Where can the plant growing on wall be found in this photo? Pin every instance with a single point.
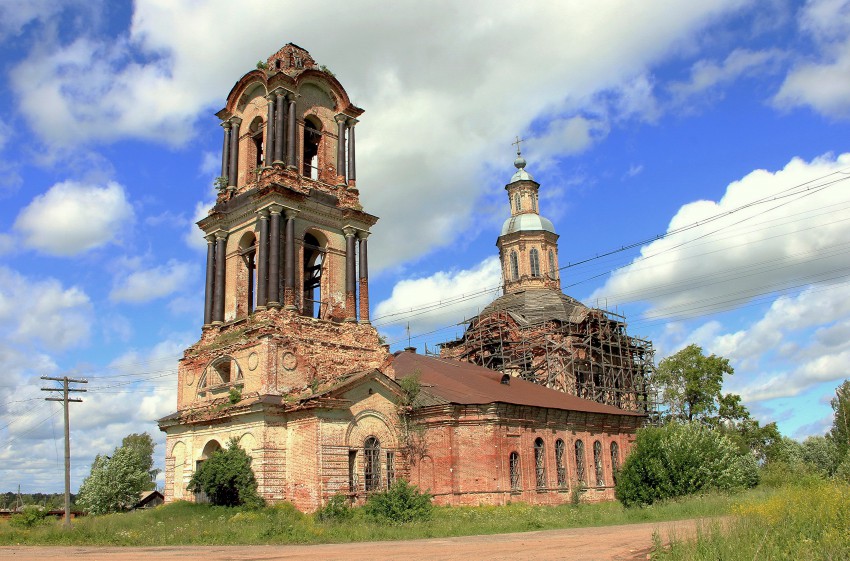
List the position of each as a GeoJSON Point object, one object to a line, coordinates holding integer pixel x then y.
{"type": "Point", "coordinates": [412, 434]}
{"type": "Point", "coordinates": [220, 182]}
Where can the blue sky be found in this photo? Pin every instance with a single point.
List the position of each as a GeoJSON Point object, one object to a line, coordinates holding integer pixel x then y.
{"type": "Point", "coordinates": [639, 119]}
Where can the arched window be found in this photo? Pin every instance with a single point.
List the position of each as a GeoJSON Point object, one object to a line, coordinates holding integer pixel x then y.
{"type": "Point", "coordinates": [312, 139]}
{"type": "Point", "coordinates": [534, 257]}
{"type": "Point", "coordinates": [314, 255]}
{"type": "Point", "coordinates": [513, 463]}
{"type": "Point", "coordinates": [540, 463]}
{"type": "Point", "coordinates": [517, 202]}
{"type": "Point", "coordinates": [257, 145]}
{"type": "Point", "coordinates": [615, 460]}
{"type": "Point", "coordinates": [580, 466]}
{"type": "Point", "coordinates": [597, 462]}
{"type": "Point", "coordinates": [514, 266]}
{"type": "Point", "coordinates": [372, 464]}
{"type": "Point", "coordinates": [534, 203]}
{"type": "Point", "coordinates": [552, 264]}
{"type": "Point", "coordinates": [223, 370]}
{"type": "Point", "coordinates": [248, 251]}
{"type": "Point", "coordinates": [559, 463]}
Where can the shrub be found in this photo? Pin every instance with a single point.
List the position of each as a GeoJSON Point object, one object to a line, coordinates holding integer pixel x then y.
{"type": "Point", "coordinates": [31, 515]}
{"type": "Point", "coordinates": [402, 502]}
{"type": "Point", "coordinates": [227, 478]}
{"type": "Point", "coordinates": [680, 459]}
{"type": "Point", "coordinates": [337, 508]}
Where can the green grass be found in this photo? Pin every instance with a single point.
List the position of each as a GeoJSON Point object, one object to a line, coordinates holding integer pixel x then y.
{"type": "Point", "coordinates": [801, 522]}
{"type": "Point", "coordinates": [190, 524]}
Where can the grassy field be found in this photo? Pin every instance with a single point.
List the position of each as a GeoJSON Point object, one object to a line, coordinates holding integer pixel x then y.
{"type": "Point", "coordinates": [801, 522]}
{"type": "Point", "coordinates": [191, 524]}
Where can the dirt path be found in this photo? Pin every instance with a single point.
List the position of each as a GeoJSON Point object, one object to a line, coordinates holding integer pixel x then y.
{"type": "Point", "coordinates": [630, 542]}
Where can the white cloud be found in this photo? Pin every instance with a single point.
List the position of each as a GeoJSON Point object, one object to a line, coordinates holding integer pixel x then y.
{"type": "Point", "coordinates": [708, 74]}
{"type": "Point", "coordinates": [149, 284]}
{"type": "Point", "coordinates": [155, 81]}
{"type": "Point", "coordinates": [15, 14]}
{"type": "Point", "coordinates": [72, 217]}
{"type": "Point", "coordinates": [824, 83]}
{"type": "Point", "coordinates": [724, 263]}
{"type": "Point", "coordinates": [428, 302]}
{"type": "Point", "coordinates": [43, 311]}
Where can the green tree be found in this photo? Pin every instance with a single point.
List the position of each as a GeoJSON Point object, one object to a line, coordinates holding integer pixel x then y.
{"type": "Point", "coordinates": [821, 453]}
{"type": "Point", "coordinates": [116, 482]}
{"type": "Point", "coordinates": [840, 431]}
{"type": "Point", "coordinates": [690, 383]}
{"type": "Point", "coordinates": [679, 459]}
{"type": "Point", "coordinates": [142, 444]}
{"type": "Point", "coordinates": [227, 478]}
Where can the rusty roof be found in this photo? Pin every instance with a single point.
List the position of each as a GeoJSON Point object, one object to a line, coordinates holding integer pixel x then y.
{"type": "Point", "coordinates": [463, 383]}
{"type": "Point", "coordinates": [538, 305]}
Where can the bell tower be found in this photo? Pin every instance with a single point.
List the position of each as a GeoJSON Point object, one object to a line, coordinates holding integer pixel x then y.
{"type": "Point", "coordinates": [528, 244]}
{"type": "Point", "coordinates": [286, 305]}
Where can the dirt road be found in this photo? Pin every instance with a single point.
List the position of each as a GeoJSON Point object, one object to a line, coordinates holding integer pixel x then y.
{"type": "Point", "coordinates": [630, 542]}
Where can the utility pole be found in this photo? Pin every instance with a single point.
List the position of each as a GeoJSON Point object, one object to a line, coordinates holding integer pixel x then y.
{"type": "Point", "coordinates": [65, 389]}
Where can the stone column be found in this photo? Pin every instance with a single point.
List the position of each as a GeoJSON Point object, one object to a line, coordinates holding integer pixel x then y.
{"type": "Point", "coordinates": [218, 291]}
{"type": "Point", "coordinates": [268, 155]}
{"type": "Point", "coordinates": [233, 170]}
{"type": "Point", "coordinates": [208, 290]}
{"type": "Point", "coordinates": [289, 261]}
{"type": "Point", "coordinates": [278, 130]}
{"type": "Point", "coordinates": [225, 151]}
{"type": "Point", "coordinates": [364, 277]}
{"type": "Point", "coordinates": [340, 148]}
{"type": "Point", "coordinates": [350, 273]}
{"type": "Point", "coordinates": [274, 257]}
{"type": "Point", "coordinates": [352, 174]}
{"type": "Point", "coordinates": [263, 261]}
{"type": "Point", "coordinates": [290, 132]}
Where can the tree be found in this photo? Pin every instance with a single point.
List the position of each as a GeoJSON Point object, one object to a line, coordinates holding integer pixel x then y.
{"type": "Point", "coordinates": [116, 482]}
{"type": "Point", "coordinates": [691, 382]}
{"type": "Point", "coordinates": [840, 431]}
{"type": "Point", "coordinates": [679, 459]}
{"type": "Point", "coordinates": [821, 453]}
{"type": "Point", "coordinates": [227, 478]}
{"type": "Point", "coordinates": [143, 445]}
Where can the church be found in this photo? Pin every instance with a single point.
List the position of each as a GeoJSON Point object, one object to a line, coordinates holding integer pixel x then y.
{"type": "Point", "coordinates": [289, 364]}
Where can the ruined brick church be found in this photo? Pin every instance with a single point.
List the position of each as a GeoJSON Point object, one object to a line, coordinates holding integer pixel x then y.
{"type": "Point", "coordinates": [290, 366]}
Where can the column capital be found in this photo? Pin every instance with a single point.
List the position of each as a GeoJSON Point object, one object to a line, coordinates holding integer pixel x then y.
{"type": "Point", "coordinates": [236, 120]}
{"type": "Point", "coordinates": [290, 212]}
{"type": "Point", "coordinates": [363, 234]}
{"type": "Point", "coordinates": [210, 238]}
{"type": "Point", "coordinates": [270, 97]}
{"type": "Point", "coordinates": [263, 214]}
{"type": "Point", "coordinates": [349, 231]}
{"type": "Point", "coordinates": [221, 234]}
{"type": "Point", "coordinates": [352, 121]}
{"type": "Point", "coordinates": [341, 118]}
{"type": "Point", "coordinates": [275, 209]}
{"type": "Point", "coordinates": [226, 124]}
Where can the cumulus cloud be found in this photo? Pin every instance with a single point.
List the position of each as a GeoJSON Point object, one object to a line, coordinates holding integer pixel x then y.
{"type": "Point", "coordinates": [431, 301]}
{"type": "Point", "coordinates": [707, 75]}
{"type": "Point", "coordinates": [823, 83]}
{"type": "Point", "coordinates": [149, 284]}
{"type": "Point", "coordinates": [43, 311]}
{"type": "Point", "coordinates": [71, 218]}
{"type": "Point", "coordinates": [154, 82]}
{"type": "Point", "coordinates": [736, 250]}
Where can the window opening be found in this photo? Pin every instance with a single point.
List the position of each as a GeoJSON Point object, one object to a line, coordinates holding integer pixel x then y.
{"type": "Point", "coordinates": [372, 463]}
{"type": "Point", "coordinates": [580, 462]}
{"type": "Point", "coordinates": [559, 463]}
{"type": "Point", "coordinates": [352, 471]}
{"type": "Point", "coordinates": [552, 264]}
{"type": "Point", "coordinates": [312, 138]}
{"type": "Point", "coordinates": [615, 460]}
{"type": "Point", "coordinates": [257, 140]}
{"type": "Point", "coordinates": [514, 266]}
{"type": "Point", "coordinates": [534, 257]}
{"type": "Point", "coordinates": [390, 468]}
{"type": "Point", "coordinates": [314, 256]}
{"type": "Point", "coordinates": [534, 203]}
{"type": "Point", "coordinates": [248, 251]}
{"type": "Point", "coordinates": [540, 463]}
{"type": "Point", "coordinates": [597, 461]}
{"type": "Point", "coordinates": [513, 463]}
{"type": "Point", "coordinates": [517, 202]}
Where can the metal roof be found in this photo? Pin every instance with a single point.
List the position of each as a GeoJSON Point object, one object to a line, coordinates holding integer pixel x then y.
{"type": "Point", "coordinates": [451, 381]}
{"type": "Point", "coordinates": [529, 222]}
{"type": "Point", "coordinates": [535, 305]}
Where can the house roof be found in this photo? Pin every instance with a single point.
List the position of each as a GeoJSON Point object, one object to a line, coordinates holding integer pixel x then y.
{"type": "Point", "coordinates": [451, 381]}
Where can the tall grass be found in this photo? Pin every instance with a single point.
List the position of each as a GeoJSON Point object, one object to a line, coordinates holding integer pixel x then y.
{"type": "Point", "coordinates": [191, 524]}
{"type": "Point", "coordinates": [799, 522]}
